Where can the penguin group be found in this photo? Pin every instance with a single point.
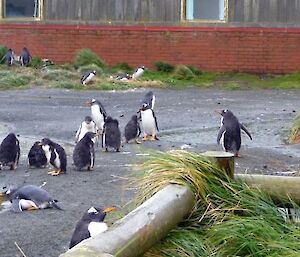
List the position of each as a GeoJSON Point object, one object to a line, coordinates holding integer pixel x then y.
{"type": "Point", "coordinates": [93, 127]}
{"type": "Point", "coordinates": [24, 58]}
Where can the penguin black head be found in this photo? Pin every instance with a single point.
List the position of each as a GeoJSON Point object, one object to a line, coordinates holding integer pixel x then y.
{"type": "Point", "coordinates": [92, 102]}
{"type": "Point", "coordinates": [134, 118]}
{"type": "Point", "coordinates": [97, 214]}
{"type": "Point", "coordinates": [88, 119]}
{"type": "Point", "coordinates": [225, 113]}
{"type": "Point", "coordinates": [11, 137]}
{"type": "Point", "coordinates": [90, 135]}
{"type": "Point", "coordinates": [144, 107]}
{"type": "Point", "coordinates": [94, 72]}
{"type": "Point", "coordinates": [46, 141]}
{"type": "Point", "coordinates": [111, 120]}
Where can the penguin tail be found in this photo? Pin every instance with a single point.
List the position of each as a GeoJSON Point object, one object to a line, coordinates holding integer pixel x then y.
{"type": "Point", "coordinates": [54, 205]}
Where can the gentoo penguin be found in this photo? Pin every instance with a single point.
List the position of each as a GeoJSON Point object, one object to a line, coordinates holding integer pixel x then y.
{"type": "Point", "coordinates": [84, 153]}
{"type": "Point", "coordinates": [87, 77]}
{"type": "Point", "coordinates": [123, 77]}
{"type": "Point", "coordinates": [9, 57]}
{"type": "Point", "coordinates": [138, 72]}
{"type": "Point", "coordinates": [230, 132]}
{"type": "Point", "coordinates": [29, 197]}
{"type": "Point", "coordinates": [91, 224]}
{"type": "Point", "coordinates": [98, 114]}
{"type": "Point", "coordinates": [111, 136]}
{"type": "Point", "coordinates": [36, 156]}
{"type": "Point", "coordinates": [56, 156]}
{"type": "Point", "coordinates": [10, 152]}
{"type": "Point", "coordinates": [149, 99]}
{"type": "Point", "coordinates": [132, 130]}
{"type": "Point", "coordinates": [88, 125]}
{"type": "Point", "coordinates": [25, 57]}
{"type": "Point", "coordinates": [149, 122]}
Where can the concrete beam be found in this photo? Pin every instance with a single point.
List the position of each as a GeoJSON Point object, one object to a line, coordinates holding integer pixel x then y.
{"type": "Point", "coordinates": [134, 234]}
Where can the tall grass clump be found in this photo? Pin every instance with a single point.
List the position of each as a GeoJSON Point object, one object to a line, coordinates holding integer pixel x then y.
{"type": "Point", "coordinates": [164, 67]}
{"type": "Point", "coordinates": [183, 72]}
{"type": "Point", "coordinates": [3, 50]}
{"type": "Point", "coordinates": [228, 219]}
{"type": "Point", "coordinates": [294, 137]}
{"type": "Point", "coordinates": [36, 62]}
{"type": "Point", "coordinates": [91, 67]}
{"type": "Point", "coordinates": [86, 57]}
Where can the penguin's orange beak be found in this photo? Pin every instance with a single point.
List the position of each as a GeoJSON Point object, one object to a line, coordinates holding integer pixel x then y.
{"type": "Point", "coordinates": [109, 209]}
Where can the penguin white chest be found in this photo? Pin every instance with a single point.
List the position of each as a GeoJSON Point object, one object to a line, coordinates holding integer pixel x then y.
{"type": "Point", "coordinates": [148, 122]}
{"type": "Point", "coordinates": [26, 204]}
{"type": "Point", "coordinates": [86, 128]}
{"type": "Point", "coordinates": [138, 73]}
{"type": "Point", "coordinates": [46, 149]}
{"type": "Point", "coordinates": [56, 160]}
{"type": "Point", "coordinates": [97, 116]}
{"type": "Point", "coordinates": [89, 78]}
{"type": "Point", "coordinates": [96, 228]}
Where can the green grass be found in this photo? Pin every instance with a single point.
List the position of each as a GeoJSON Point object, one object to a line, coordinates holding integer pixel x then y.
{"type": "Point", "coordinates": [66, 76]}
{"type": "Point", "coordinates": [228, 219]}
{"type": "Point", "coordinates": [294, 137]}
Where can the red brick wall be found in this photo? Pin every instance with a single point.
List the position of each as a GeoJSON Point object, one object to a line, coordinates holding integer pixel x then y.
{"type": "Point", "coordinates": [257, 50]}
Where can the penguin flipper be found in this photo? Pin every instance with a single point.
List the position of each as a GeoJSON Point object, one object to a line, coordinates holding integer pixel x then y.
{"type": "Point", "coordinates": [246, 131]}
{"type": "Point", "coordinates": [155, 119]}
{"type": "Point", "coordinates": [220, 133]}
{"type": "Point", "coordinates": [15, 206]}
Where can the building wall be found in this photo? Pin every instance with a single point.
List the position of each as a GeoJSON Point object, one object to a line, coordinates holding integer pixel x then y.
{"type": "Point", "coordinates": [255, 50]}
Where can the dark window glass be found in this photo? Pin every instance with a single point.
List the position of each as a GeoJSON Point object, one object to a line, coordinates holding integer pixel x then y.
{"type": "Point", "coordinates": [21, 8]}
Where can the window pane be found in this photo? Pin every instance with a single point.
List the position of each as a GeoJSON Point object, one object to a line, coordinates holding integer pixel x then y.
{"type": "Point", "coordinates": [205, 9]}
{"type": "Point", "coordinates": [21, 8]}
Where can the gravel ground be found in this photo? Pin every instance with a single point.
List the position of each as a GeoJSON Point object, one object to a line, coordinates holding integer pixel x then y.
{"type": "Point", "coordinates": [186, 120]}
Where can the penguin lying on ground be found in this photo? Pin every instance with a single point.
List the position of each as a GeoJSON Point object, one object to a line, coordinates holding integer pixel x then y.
{"type": "Point", "coordinates": [10, 152]}
{"type": "Point", "coordinates": [149, 123]}
{"type": "Point", "coordinates": [111, 136]}
{"type": "Point", "coordinates": [88, 125]}
{"type": "Point", "coordinates": [123, 77]}
{"type": "Point", "coordinates": [91, 224]}
{"type": "Point", "coordinates": [138, 72]}
{"type": "Point", "coordinates": [98, 114]}
{"type": "Point", "coordinates": [25, 57]}
{"type": "Point", "coordinates": [132, 130]}
{"type": "Point", "coordinates": [87, 77]}
{"type": "Point", "coordinates": [84, 153]}
{"type": "Point", "coordinates": [55, 155]}
{"type": "Point", "coordinates": [29, 197]}
{"type": "Point", "coordinates": [36, 156]}
{"type": "Point", "coordinates": [230, 132]}
{"type": "Point", "coordinates": [149, 99]}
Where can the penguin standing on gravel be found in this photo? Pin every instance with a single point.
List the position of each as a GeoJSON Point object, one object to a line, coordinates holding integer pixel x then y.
{"type": "Point", "coordinates": [138, 72]}
{"type": "Point", "coordinates": [98, 114]}
{"type": "Point", "coordinates": [149, 122]}
{"type": "Point", "coordinates": [91, 224]}
{"type": "Point", "coordinates": [55, 155]}
{"type": "Point", "coordinates": [25, 57]}
{"type": "Point", "coordinates": [36, 156]}
{"type": "Point", "coordinates": [10, 152]}
{"type": "Point", "coordinates": [149, 99]}
{"type": "Point", "coordinates": [111, 137]}
{"type": "Point", "coordinates": [230, 132]}
{"type": "Point", "coordinates": [87, 77]}
{"type": "Point", "coordinates": [88, 125]}
{"type": "Point", "coordinates": [29, 197]}
{"type": "Point", "coordinates": [132, 130]}
{"type": "Point", "coordinates": [84, 153]}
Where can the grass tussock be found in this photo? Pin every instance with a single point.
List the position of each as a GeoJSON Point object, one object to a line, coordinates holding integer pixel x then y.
{"type": "Point", "coordinates": [86, 57]}
{"type": "Point", "coordinates": [228, 219]}
{"type": "Point", "coordinates": [91, 67]}
{"type": "Point", "coordinates": [294, 137]}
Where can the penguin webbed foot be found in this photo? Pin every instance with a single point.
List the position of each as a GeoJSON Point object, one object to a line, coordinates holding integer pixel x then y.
{"type": "Point", "coordinates": [54, 172]}
{"type": "Point", "coordinates": [145, 138]}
